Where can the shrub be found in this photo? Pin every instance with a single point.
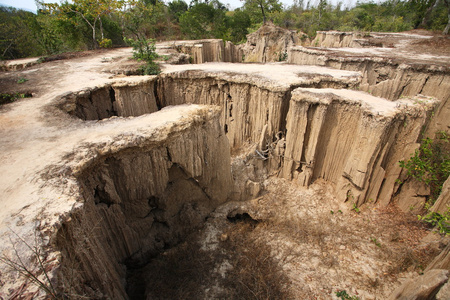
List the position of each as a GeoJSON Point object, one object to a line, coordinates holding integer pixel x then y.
{"type": "Point", "coordinates": [144, 49]}
{"type": "Point", "coordinates": [9, 98]}
{"type": "Point", "coordinates": [431, 163]}
{"type": "Point", "coordinates": [442, 222]}
{"type": "Point", "coordinates": [150, 69]}
{"type": "Point", "coordinates": [105, 43]}
{"type": "Point", "coordinates": [343, 295]}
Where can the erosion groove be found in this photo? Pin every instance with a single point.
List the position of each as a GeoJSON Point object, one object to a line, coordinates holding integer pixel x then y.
{"type": "Point", "coordinates": [140, 201]}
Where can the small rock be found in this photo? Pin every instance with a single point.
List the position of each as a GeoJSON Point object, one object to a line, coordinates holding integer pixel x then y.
{"type": "Point", "coordinates": [422, 287]}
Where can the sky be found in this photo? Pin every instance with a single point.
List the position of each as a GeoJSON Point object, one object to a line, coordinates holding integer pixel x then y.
{"type": "Point", "coordinates": [31, 5]}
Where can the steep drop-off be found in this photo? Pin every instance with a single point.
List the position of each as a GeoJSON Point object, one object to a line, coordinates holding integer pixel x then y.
{"type": "Point", "coordinates": [119, 181]}
{"type": "Point", "coordinates": [141, 196]}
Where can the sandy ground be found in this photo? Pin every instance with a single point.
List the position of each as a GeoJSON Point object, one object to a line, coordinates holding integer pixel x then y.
{"type": "Point", "coordinates": [411, 47]}
{"type": "Point", "coordinates": [303, 240]}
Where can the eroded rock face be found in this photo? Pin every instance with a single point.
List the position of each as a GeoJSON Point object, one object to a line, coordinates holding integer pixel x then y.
{"type": "Point", "coordinates": [443, 202]}
{"type": "Point", "coordinates": [389, 73]}
{"type": "Point", "coordinates": [250, 98]}
{"type": "Point", "coordinates": [351, 139]}
{"type": "Point", "coordinates": [423, 287]}
{"type": "Point", "coordinates": [123, 99]}
{"type": "Point", "coordinates": [383, 77]}
{"type": "Point", "coordinates": [337, 39]}
{"type": "Point", "coordinates": [269, 43]}
{"type": "Point", "coordinates": [140, 198]}
{"type": "Point", "coordinates": [202, 51]}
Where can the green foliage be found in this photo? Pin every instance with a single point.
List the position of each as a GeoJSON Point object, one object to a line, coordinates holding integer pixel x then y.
{"type": "Point", "coordinates": [442, 222]}
{"type": "Point", "coordinates": [344, 296]}
{"type": "Point", "coordinates": [177, 8]}
{"type": "Point", "coordinates": [376, 242]}
{"type": "Point", "coordinates": [355, 208]}
{"type": "Point", "coordinates": [145, 50]}
{"type": "Point", "coordinates": [204, 20]}
{"type": "Point", "coordinates": [17, 38]}
{"type": "Point", "coordinates": [150, 69]}
{"type": "Point", "coordinates": [282, 56]}
{"type": "Point", "coordinates": [105, 43]}
{"type": "Point", "coordinates": [238, 23]}
{"type": "Point", "coordinates": [86, 24]}
{"type": "Point", "coordinates": [9, 98]}
{"type": "Point", "coordinates": [22, 80]}
{"type": "Point", "coordinates": [88, 12]}
{"type": "Point", "coordinates": [261, 10]}
{"type": "Point", "coordinates": [430, 163]}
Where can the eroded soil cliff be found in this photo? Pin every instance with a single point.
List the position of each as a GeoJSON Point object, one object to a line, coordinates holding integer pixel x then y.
{"type": "Point", "coordinates": [269, 179]}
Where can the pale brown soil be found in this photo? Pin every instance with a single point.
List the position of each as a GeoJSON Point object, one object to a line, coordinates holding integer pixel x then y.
{"type": "Point", "coordinates": [296, 243]}
{"type": "Point", "coordinates": [438, 45]}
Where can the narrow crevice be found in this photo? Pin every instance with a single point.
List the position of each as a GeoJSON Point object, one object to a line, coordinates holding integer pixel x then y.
{"type": "Point", "coordinates": [169, 157]}
{"type": "Point", "coordinates": [112, 98]}
{"type": "Point", "coordinates": [157, 95]}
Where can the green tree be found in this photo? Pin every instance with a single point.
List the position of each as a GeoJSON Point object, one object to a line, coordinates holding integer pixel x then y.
{"type": "Point", "coordinates": [18, 34]}
{"type": "Point", "coordinates": [177, 8]}
{"type": "Point", "coordinates": [204, 20]}
{"type": "Point", "coordinates": [239, 22]}
{"type": "Point", "coordinates": [90, 11]}
{"type": "Point", "coordinates": [259, 10]}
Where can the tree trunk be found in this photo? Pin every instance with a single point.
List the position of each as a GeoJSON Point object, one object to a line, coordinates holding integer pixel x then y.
{"type": "Point", "coordinates": [427, 13]}
{"type": "Point", "coordinates": [447, 28]}
{"type": "Point", "coordinates": [101, 27]}
{"type": "Point", "coordinates": [261, 4]}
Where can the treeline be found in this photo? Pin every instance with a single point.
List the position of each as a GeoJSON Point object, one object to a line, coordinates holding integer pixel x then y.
{"type": "Point", "coordinates": [89, 24]}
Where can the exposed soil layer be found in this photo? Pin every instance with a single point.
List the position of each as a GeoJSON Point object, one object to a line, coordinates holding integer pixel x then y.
{"type": "Point", "coordinates": [316, 247]}
{"type": "Point", "coordinates": [438, 45]}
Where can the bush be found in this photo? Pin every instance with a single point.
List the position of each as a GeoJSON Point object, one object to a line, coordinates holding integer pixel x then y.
{"type": "Point", "coordinates": [150, 69]}
{"type": "Point", "coordinates": [441, 221]}
{"type": "Point", "coordinates": [431, 163]}
{"type": "Point", "coordinates": [105, 43]}
{"type": "Point", "coordinates": [144, 49]}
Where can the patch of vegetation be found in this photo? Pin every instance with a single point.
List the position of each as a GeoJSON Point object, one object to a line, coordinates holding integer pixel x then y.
{"type": "Point", "coordinates": [145, 50]}
{"type": "Point", "coordinates": [105, 43]}
{"type": "Point", "coordinates": [9, 98]}
{"type": "Point", "coordinates": [376, 242]}
{"type": "Point", "coordinates": [282, 56]}
{"type": "Point", "coordinates": [355, 208]}
{"type": "Point", "coordinates": [441, 221]}
{"type": "Point", "coordinates": [430, 163]}
{"type": "Point", "coordinates": [343, 295]}
{"type": "Point", "coordinates": [80, 25]}
{"type": "Point", "coordinates": [22, 80]}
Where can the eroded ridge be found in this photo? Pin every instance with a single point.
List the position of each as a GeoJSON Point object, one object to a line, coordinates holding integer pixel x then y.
{"type": "Point", "coordinates": [128, 187]}
{"type": "Point", "coordinates": [351, 139]}
{"type": "Point", "coordinates": [142, 197]}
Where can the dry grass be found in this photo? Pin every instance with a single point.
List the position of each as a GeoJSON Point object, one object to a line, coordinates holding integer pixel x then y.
{"type": "Point", "coordinates": [242, 267]}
